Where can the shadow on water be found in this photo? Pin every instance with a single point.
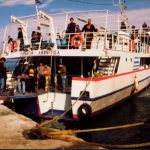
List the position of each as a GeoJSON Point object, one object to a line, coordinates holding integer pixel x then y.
{"type": "Point", "coordinates": [135, 109]}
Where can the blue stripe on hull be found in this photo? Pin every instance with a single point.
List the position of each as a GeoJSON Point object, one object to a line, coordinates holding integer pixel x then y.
{"type": "Point", "coordinates": [111, 106]}
{"type": "Point", "coordinates": [108, 94]}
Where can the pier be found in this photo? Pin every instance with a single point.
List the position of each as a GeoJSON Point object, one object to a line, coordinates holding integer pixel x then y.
{"type": "Point", "coordinates": [12, 126]}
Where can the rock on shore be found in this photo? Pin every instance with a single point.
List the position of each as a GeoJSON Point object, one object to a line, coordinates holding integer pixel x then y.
{"type": "Point", "coordinates": [12, 125]}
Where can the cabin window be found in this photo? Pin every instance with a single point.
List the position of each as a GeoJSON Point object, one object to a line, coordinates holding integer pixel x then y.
{"type": "Point", "coordinates": [86, 94]}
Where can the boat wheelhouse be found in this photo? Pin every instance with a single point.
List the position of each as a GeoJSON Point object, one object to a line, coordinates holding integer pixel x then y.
{"type": "Point", "coordinates": [116, 66]}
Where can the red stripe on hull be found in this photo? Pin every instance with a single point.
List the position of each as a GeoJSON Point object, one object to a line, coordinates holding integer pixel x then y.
{"type": "Point", "coordinates": [107, 77]}
{"type": "Point", "coordinates": [3, 99]}
{"type": "Point", "coordinates": [75, 116]}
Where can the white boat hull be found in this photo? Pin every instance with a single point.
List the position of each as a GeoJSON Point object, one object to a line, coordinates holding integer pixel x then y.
{"type": "Point", "coordinates": [107, 91]}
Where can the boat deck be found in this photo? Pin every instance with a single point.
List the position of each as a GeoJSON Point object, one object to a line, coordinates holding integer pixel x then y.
{"type": "Point", "coordinates": [7, 95]}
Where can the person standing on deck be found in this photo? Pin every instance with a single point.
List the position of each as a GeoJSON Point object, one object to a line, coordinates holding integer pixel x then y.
{"type": "Point", "coordinates": [5, 79]}
{"type": "Point", "coordinates": [20, 38]}
{"type": "Point", "coordinates": [24, 78]}
{"type": "Point", "coordinates": [3, 75]}
{"type": "Point", "coordinates": [71, 28]}
{"type": "Point", "coordinates": [77, 29]}
{"type": "Point", "coordinates": [47, 74]}
{"type": "Point", "coordinates": [32, 78]}
{"type": "Point", "coordinates": [89, 28]}
{"type": "Point", "coordinates": [39, 34]}
{"type": "Point", "coordinates": [62, 71]}
{"type": "Point", "coordinates": [40, 76]}
{"type": "Point", "coordinates": [17, 73]}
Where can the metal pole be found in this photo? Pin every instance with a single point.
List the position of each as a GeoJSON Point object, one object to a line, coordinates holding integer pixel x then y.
{"type": "Point", "coordinates": [81, 67]}
{"type": "Point", "coordinates": [66, 22]}
{"type": "Point", "coordinates": [4, 44]}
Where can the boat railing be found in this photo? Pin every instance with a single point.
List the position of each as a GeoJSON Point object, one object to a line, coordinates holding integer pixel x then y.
{"type": "Point", "coordinates": [101, 40]}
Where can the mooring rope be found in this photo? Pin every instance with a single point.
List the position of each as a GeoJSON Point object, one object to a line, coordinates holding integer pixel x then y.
{"type": "Point", "coordinates": [70, 132]}
{"type": "Point", "coordinates": [56, 134]}
{"type": "Point", "coordinates": [138, 145]}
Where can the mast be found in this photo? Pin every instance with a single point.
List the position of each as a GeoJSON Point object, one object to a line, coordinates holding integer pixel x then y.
{"type": "Point", "coordinates": [121, 5]}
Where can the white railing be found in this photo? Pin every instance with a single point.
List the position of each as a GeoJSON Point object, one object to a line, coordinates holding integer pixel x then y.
{"type": "Point", "coordinates": [112, 40]}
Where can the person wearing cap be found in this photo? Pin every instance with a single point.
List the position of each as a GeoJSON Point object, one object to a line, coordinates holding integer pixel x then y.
{"type": "Point", "coordinates": [62, 71]}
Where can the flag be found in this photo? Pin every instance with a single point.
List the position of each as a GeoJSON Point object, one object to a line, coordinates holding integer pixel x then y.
{"type": "Point", "coordinates": [38, 2]}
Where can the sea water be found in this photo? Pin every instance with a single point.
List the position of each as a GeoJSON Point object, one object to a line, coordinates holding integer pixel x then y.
{"type": "Point", "coordinates": [134, 110]}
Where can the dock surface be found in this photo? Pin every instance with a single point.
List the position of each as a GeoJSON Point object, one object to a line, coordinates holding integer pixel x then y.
{"type": "Point", "coordinates": [12, 125]}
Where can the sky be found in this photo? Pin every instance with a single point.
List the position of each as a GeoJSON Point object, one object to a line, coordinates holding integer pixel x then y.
{"type": "Point", "coordinates": [138, 11]}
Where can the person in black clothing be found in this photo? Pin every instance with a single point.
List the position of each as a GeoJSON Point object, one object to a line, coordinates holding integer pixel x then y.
{"type": "Point", "coordinates": [33, 39]}
{"type": "Point", "coordinates": [38, 34]}
{"type": "Point", "coordinates": [20, 37]}
{"type": "Point", "coordinates": [10, 39]}
{"type": "Point", "coordinates": [123, 26]}
{"type": "Point", "coordinates": [3, 76]}
{"type": "Point", "coordinates": [5, 79]}
{"type": "Point", "coordinates": [71, 29]}
{"type": "Point", "coordinates": [17, 73]}
{"type": "Point", "coordinates": [145, 27]}
{"type": "Point", "coordinates": [89, 28]}
{"type": "Point", "coordinates": [71, 26]}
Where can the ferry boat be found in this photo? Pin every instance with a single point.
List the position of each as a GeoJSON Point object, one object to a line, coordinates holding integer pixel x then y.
{"type": "Point", "coordinates": [116, 66]}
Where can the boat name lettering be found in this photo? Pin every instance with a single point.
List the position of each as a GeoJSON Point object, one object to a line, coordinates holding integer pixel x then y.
{"type": "Point", "coordinates": [26, 53]}
{"type": "Point", "coordinates": [43, 52]}
{"type": "Point", "coordinates": [46, 52]}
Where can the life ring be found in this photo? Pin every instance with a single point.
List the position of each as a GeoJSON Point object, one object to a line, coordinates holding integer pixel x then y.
{"type": "Point", "coordinates": [84, 111]}
{"type": "Point", "coordinates": [136, 84]}
{"type": "Point", "coordinates": [75, 38]}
